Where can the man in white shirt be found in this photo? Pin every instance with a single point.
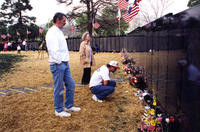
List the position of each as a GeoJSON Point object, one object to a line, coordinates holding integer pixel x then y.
{"type": "Point", "coordinates": [59, 66]}
{"type": "Point", "coordinates": [100, 83]}
{"type": "Point", "coordinates": [25, 45]}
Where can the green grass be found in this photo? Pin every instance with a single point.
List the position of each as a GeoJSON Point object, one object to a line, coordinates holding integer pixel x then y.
{"type": "Point", "coordinates": [7, 61]}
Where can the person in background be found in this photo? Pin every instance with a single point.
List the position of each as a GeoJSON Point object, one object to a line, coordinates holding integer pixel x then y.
{"type": "Point", "coordinates": [59, 66]}
{"type": "Point", "coordinates": [86, 58]}
{"type": "Point", "coordinates": [5, 46]}
{"type": "Point", "coordinates": [95, 48]}
{"type": "Point", "coordinates": [9, 46]}
{"type": "Point", "coordinates": [18, 49]}
{"type": "Point", "coordinates": [100, 83]}
{"type": "Point", "coordinates": [42, 49]}
{"type": "Point", "coordinates": [25, 45]}
{"type": "Point", "coordinates": [1, 46]}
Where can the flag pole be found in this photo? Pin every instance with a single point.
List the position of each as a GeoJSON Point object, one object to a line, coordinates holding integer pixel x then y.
{"type": "Point", "coordinates": [48, 23]}
{"type": "Point", "coordinates": [92, 27]}
{"type": "Point", "coordinates": [27, 33]}
{"type": "Point", "coordinates": [119, 26]}
{"type": "Point", "coordinates": [39, 34]}
{"type": "Point", "coordinates": [139, 19]}
{"type": "Point", "coordinates": [119, 17]}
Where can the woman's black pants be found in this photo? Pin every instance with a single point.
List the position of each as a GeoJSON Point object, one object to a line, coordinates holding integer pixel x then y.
{"type": "Point", "coordinates": [86, 76]}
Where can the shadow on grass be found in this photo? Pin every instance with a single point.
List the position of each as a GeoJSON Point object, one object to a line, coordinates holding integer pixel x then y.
{"type": "Point", "coordinates": [7, 61]}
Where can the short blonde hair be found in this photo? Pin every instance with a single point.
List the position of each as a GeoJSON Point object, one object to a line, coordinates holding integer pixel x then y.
{"type": "Point", "coordinates": [84, 36]}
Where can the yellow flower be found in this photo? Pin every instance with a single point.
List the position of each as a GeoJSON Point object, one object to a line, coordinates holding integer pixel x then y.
{"type": "Point", "coordinates": [151, 112]}
{"type": "Point", "coordinates": [154, 102]}
{"type": "Point", "coordinates": [146, 120]}
{"type": "Point", "coordinates": [152, 122]}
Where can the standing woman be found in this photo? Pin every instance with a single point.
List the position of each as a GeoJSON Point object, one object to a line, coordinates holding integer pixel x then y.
{"type": "Point", "coordinates": [86, 58]}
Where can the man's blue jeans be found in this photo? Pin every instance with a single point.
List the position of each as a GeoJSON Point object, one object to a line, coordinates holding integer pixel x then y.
{"type": "Point", "coordinates": [62, 75]}
{"type": "Point", "coordinates": [102, 91]}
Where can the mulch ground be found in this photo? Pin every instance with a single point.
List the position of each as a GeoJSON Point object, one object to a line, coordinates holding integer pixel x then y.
{"type": "Point", "coordinates": [33, 111]}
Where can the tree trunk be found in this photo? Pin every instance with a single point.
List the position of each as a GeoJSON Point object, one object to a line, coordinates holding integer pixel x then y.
{"type": "Point", "coordinates": [89, 17]}
{"type": "Point", "coordinates": [20, 15]}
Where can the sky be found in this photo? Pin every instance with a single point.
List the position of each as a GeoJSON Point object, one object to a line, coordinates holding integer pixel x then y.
{"type": "Point", "coordinates": [44, 10]}
{"type": "Point", "coordinates": [178, 6]}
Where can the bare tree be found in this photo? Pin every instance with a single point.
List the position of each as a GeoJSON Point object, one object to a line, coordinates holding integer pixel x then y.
{"type": "Point", "coordinates": [153, 9]}
{"type": "Point", "coordinates": [91, 7]}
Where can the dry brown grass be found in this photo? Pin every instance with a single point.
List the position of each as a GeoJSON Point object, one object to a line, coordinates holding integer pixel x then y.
{"type": "Point", "coordinates": [30, 72]}
{"type": "Point", "coordinates": [34, 111]}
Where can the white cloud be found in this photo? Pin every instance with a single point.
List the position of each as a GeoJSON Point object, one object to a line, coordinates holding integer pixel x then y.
{"type": "Point", "coordinates": [44, 10]}
{"type": "Point", "coordinates": [178, 6]}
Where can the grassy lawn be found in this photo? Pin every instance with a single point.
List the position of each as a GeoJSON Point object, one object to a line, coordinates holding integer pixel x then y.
{"type": "Point", "coordinates": [34, 111]}
{"type": "Point", "coordinates": [7, 62]}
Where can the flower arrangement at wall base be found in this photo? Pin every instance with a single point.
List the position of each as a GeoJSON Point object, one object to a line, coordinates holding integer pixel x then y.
{"type": "Point", "coordinates": [153, 119]}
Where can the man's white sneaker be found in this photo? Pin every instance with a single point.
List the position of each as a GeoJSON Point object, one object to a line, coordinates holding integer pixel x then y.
{"type": "Point", "coordinates": [94, 97]}
{"type": "Point", "coordinates": [73, 109]}
{"type": "Point", "coordinates": [62, 114]}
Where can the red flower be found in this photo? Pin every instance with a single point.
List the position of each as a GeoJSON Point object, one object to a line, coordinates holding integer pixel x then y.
{"type": "Point", "coordinates": [171, 118]}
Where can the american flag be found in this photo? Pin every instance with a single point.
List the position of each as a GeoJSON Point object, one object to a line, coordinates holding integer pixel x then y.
{"type": "Point", "coordinates": [28, 32]}
{"type": "Point", "coordinates": [8, 35]}
{"type": "Point", "coordinates": [136, 2]}
{"type": "Point", "coordinates": [132, 11]}
{"type": "Point", "coordinates": [123, 4]}
{"type": "Point", "coordinates": [95, 24]}
{"type": "Point", "coordinates": [40, 30]}
{"type": "Point", "coordinates": [118, 15]}
{"type": "Point", "coordinates": [73, 30]}
{"type": "Point", "coordinates": [3, 36]}
{"type": "Point", "coordinates": [139, 1]}
{"type": "Point", "coordinates": [18, 34]}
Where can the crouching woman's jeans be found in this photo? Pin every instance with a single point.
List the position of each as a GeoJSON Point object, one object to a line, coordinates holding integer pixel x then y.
{"type": "Point", "coordinates": [61, 73]}
{"type": "Point", "coordinates": [102, 91]}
